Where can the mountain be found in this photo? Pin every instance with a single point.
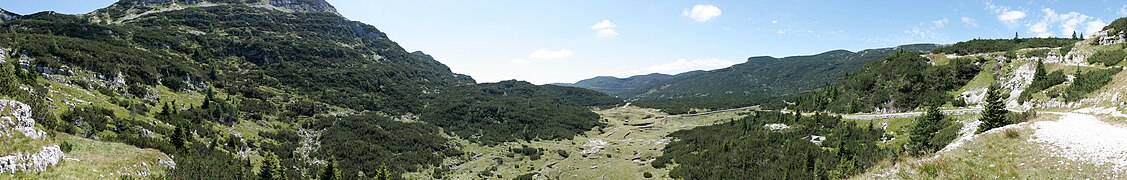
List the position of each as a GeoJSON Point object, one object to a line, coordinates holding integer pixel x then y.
{"type": "Point", "coordinates": [619, 87]}
{"type": "Point", "coordinates": [5, 15]}
{"type": "Point", "coordinates": [759, 76]}
{"type": "Point", "coordinates": [214, 85]}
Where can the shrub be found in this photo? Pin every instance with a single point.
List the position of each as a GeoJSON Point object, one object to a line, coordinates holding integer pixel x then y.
{"type": "Point", "coordinates": [1011, 133]}
{"type": "Point", "coordinates": [66, 146]}
{"type": "Point", "coordinates": [1089, 82]}
{"type": "Point", "coordinates": [1107, 57]}
{"type": "Point", "coordinates": [562, 153]}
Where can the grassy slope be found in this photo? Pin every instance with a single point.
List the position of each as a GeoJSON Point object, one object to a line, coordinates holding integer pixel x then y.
{"type": "Point", "coordinates": [91, 159]}
{"type": "Point", "coordinates": [992, 156]}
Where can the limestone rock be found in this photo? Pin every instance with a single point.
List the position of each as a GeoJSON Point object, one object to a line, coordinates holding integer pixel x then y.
{"type": "Point", "coordinates": [37, 162]}
{"type": "Point", "coordinates": [17, 117]}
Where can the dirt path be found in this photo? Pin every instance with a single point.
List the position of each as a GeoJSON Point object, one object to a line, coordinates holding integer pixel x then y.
{"type": "Point", "coordinates": [1085, 137]}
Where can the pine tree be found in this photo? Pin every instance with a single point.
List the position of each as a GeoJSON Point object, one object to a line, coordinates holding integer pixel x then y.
{"type": "Point", "coordinates": [270, 169]}
{"type": "Point", "coordinates": [177, 138]}
{"type": "Point", "coordinates": [207, 100]}
{"type": "Point", "coordinates": [1074, 35]}
{"type": "Point", "coordinates": [383, 173]}
{"type": "Point", "coordinates": [994, 114]}
{"type": "Point", "coordinates": [925, 129]}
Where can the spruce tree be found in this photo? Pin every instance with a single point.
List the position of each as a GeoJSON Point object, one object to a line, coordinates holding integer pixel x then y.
{"type": "Point", "coordinates": [925, 129]}
{"type": "Point", "coordinates": [270, 169]}
{"type": "Point", "coordinates": [177, 138]}
{"type": "Point", "coordinates": [994, 114]}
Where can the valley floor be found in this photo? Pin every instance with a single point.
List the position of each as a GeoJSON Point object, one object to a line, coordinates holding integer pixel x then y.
{"type": "Point", "coordinates": [622, 150]}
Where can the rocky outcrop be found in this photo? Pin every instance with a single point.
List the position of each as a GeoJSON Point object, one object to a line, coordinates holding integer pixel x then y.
{"type": "Point", "coordinates": [37, 162]}
{"type": "Point", "coordinates": [1117, 38]}
{"type": "Point", "coordinates": [16, 117]}
{"type": "Point", "coordinates": [5, 15]}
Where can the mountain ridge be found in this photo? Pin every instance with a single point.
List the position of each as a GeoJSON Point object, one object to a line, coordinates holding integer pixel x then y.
{"type": "Point", "coordinates": [758, 76]}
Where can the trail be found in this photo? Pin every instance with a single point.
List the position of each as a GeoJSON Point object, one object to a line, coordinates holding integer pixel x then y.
{"type": "Point", "coordinates": [1085, 137]}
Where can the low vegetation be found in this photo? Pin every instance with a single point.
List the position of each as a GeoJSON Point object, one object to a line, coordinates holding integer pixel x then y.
{"type": "Point", "coordinates": [900, 82]}
{"type": "Point", "coordinates": [1041, 81]}
{"type": "Point", "coordinates": [1088, 82]}
{"type": "Point", "coordinates": [1002, 45]}
{"type": "Point", "coordinates": [744, 149]}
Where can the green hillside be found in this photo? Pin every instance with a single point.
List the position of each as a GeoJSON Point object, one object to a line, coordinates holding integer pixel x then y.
{"type": "Point", "coordinates": [233, 88]}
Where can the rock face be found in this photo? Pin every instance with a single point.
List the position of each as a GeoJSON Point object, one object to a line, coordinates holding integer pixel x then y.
{"type": "Point", "coordinates": [1117, 38]}
{"type": "Point", "coordinates": [5, 15]}
{"type": "Point", "coordinates": [16, 117]}
{"type": "Point", "coordinates": [36, 162]}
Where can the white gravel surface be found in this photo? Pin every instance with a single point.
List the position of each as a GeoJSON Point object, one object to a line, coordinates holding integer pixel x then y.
{"type": "Point", "coordinates": [1084, 137]}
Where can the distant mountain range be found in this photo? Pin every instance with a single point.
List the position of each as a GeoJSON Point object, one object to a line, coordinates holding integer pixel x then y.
{"type": "Point", "coordinates": [759, 76]}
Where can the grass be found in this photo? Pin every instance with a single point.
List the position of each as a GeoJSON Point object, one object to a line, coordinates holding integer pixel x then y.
{"type": "Point", "coordinates": [1011, 154]}
{"type": "Point", "coordinates": [631, 147]}
{"type": "Point", "coordinates": [91, 159]}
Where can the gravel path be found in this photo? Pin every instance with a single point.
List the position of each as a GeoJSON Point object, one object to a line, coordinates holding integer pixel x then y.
{"type": "Point", "coordinates": [1085, 137]}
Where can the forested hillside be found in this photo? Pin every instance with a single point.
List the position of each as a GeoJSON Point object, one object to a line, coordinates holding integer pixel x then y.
{"type": "Point", "coordinates": [241, 89]}
{"type": "Point", "coordinates": [902, 81]}
{"type": "Point", "coordinates": [622, 87]}
{"type": "Point", "coordinates": [759, 81]}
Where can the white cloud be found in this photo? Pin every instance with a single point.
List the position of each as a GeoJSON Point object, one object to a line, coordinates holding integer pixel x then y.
{"type": "Point", "coordinates": [1010, 17]}
{"type": "Point", "coordinates": [1093, 27]}
{"type": "Point", "coordinates": [774, 21]}
{"type": "Point", "coordinates": [544, 54]}
{"type": "Point", "coordinates": [702, 12]}
{"type": "Point", "coordinates": [605, 24]}
{"type": "Point", "coordinates": [969, 21]}
{"type": "Point", "coordinates": [605, 29]}
{"type": "Point", "coordinates": [683, 65]}
{"type": "Point", "coordinates": [940, 22]}
{"type": "Point", "coordinates": [1064, 24]}
{"type": "Point", "coordinates": [606, 33]}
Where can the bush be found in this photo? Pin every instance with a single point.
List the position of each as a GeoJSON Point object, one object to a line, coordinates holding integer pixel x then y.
{"type": "Point", "coordinates": [562, 153]}
{"type": "Point", "coordinates": [647, 175]}
{"type": "Point", "coordinates": [1011, 133]}
{"type": "Point", "coordinates": [66, 146]}
{"type": "Point", "coordinates": [1107, 57]}
{"type": "Point", "coordinates": [1089, 82]}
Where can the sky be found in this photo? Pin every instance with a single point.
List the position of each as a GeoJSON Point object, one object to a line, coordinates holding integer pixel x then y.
{"type": "Point", "coordinates": [566, 41]}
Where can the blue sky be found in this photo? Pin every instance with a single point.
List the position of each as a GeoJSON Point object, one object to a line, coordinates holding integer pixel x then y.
{"type": "Point", "coordinates": [565, 41]}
